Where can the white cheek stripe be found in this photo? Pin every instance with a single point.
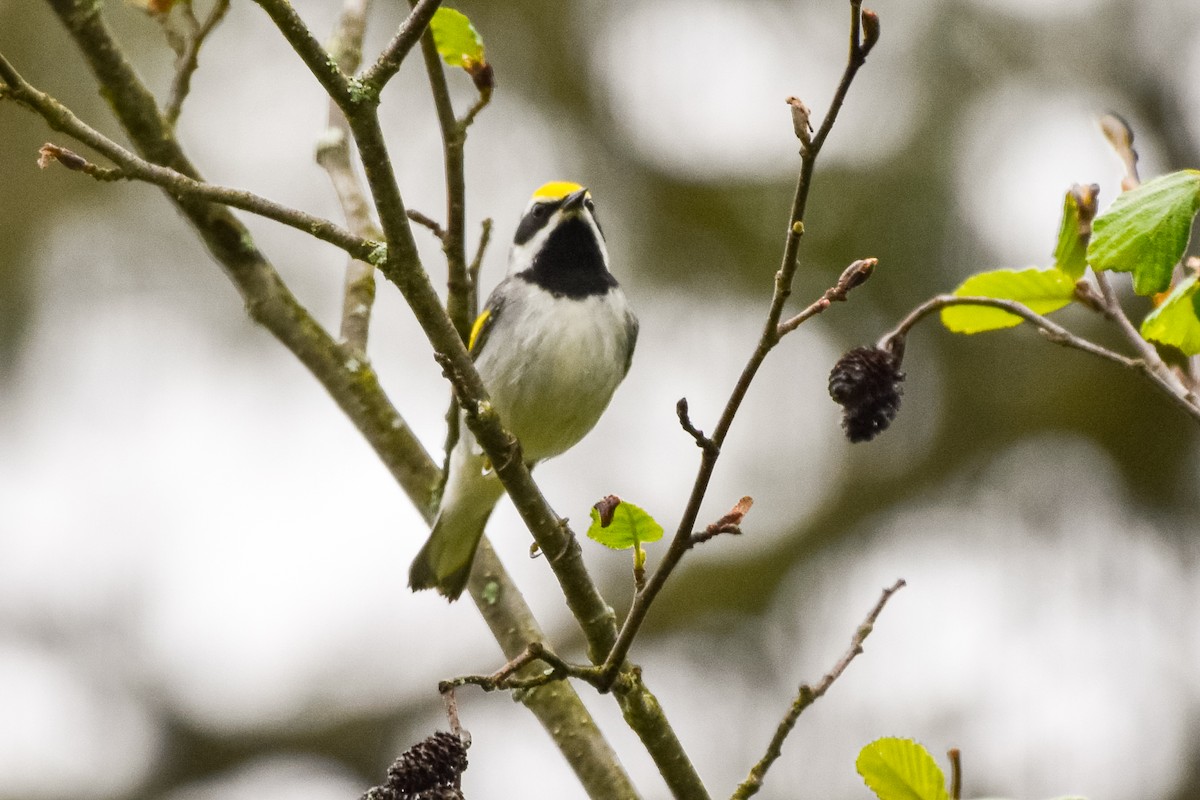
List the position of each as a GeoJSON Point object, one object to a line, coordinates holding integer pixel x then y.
{"type": "Point", "coordinates": [520, 257]}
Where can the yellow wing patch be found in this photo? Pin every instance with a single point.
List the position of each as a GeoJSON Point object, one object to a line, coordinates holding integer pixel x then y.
{"type": "Point", "coordinates": [556, 190]}
{"type": "Point", "coordinates": [477, 328]}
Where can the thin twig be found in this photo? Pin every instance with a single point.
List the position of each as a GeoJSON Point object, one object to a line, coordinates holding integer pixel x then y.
{"type": "Point", "coordinates": [481, 102]}
{"type": "Point", "coordinates": [314, 55]}
{"type": "Point", "coordinates": [485, 236]}
{"type": "Point", "coordinates": [76, 163]}
{"type": "Point", "coordinates": [60, 118]}
{"type": "Point", "coordinates": [428, 222]}
{"type": "Point", "coordinates": [730, 522]}
{"type": "Point", "coordinates": [703, 442]}
{"type": "Point", "coordinates": [388, 64]}
{"type": "Point", "coordinates": [451, 703]}
{"type": "Point", "coordinates": [1149, 354]}
{"type": "Point", "coordinates": [188, 59]}
{"type": "Point", "coordinates": [333, 154]}
{"type": "Point", "coordinates": [955, 757]}
{"type": "Point", "coordinates": [1055, 333]}
{"type": "Point", "coordinates": [681, 541]}
{"type": "Point", "coordinates": [401, 264]}
{"type": "Point", "coordinates": [506, 677]}
{"type": "Point", "coordinates": [808, 695]}
{"type": "Point", "coordinates": [852, 277]}
{"type": "Point", "coordinates": [454, 243]}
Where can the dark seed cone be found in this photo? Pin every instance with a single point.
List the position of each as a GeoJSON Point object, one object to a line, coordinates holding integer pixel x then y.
{"type": "Point", "coordinates": [865, 382]}
{"type": "Point", "coordinates": [429, 770]}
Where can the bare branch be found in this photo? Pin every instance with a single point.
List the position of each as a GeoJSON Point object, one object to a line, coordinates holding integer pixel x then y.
{"type": "Point", "coordinates": [703, 442]}
{"type": "Point", "coordinates": [682, 539]}
{"type": "Point", "coordinates": [333, 154]}
{"type": "Point", "coordinates": [453, 161]}
{"type": "Point", "coordinates": [335, 82]}
{"type": "Point", "coordinates": [389, 61]}
{"type": "Point", "coordinates": [852, 277]}
{"type": "Point", "coordinates": [507, 677]}
{"type": "Point", "coordinates": [1156, 371]}
{"type": "Point", "coordinates": [485, 236]}
{"type": "Point", "coordinates": [60, 118]}
{"type": "Point", "coordinates": [188, 57]}
{"type": "Point", "coordinates": [808, 695]}
{"type": "Point", "coordinates": [426, 221]}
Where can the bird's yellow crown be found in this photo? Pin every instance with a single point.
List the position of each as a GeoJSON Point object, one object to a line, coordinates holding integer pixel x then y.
{"type": "Point", "coordinates": [556, 190]}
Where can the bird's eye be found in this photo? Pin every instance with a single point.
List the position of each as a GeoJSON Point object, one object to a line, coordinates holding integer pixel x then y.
{"type": "Point", "coordinates": [540, 210]}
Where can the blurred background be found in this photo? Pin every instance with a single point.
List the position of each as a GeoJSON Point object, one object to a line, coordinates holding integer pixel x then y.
{"type": "Point", "coordinates": [202, 567]}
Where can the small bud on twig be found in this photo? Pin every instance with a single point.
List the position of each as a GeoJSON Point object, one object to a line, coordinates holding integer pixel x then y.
{"type": "Point", "coordinates": [729, 523]}
{"type": "Point", "coordinates": [1085, 200]}
{"type": "Point", "coordinates": [870, 29]}
{"type": "Point", "coordinates": [855, 275]}
{"type": "Point", "coordinates": [1120, 136]}
{"type": "Point", "coordinates": [801, 121]}
{"type": "Point", "coordinates": [50, 153]}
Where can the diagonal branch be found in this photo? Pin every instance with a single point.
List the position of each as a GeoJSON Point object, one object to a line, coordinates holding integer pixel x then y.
{"type": "Point", "coordinates": [354, 387]}
{"type": "Point", "coordinates": [809, 695]}
{"type": "Point", "coordinates": [188, 59]}
{"type": "Point", "coordinates": [388, 64]}
{"type": "Point", "coordinates": [681, 541]}
{"type": "Point", "coordinates": [402, 266]}
{"type": "Point", "coordinates": [352, 384]}
{"type": "Point", "coordinates": [177, 183]}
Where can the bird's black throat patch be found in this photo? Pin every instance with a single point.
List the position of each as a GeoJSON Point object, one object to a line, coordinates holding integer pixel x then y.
{"type": "Point", "coordinates": [570, 264]}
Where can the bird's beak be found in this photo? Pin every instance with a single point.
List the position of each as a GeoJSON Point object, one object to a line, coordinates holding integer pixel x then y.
{"type": "Point", "coordinates": [574, 200]}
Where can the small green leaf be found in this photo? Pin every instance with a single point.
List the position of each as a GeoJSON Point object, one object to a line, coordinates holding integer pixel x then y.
{"type": "Point", "coordinates": [630, 527]}
{"type": "Point", "coordinates": [901, 769]}
{"type": "Point", "coordinates": [1079, 208]}
{"type": "Point", "coordinates": [1041, 290]}
{"type": "Point", "coordinates": [1177, 321]}
{"type": "Point", "coordinates": [457, 41]}
{"type": "Point", "coordinates": [1146, 230]}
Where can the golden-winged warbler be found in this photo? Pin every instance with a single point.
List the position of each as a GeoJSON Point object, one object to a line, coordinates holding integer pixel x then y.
{"type": "Point", "coordinates": [553, 342]}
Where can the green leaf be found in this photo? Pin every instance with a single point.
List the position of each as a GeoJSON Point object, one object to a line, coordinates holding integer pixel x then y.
{"type": "Point", "coordinates": [1041, 290]}
{"type": "Point", "coordinates": [901, 769]}
{"type": "Point", "coordinates": [630, 527]}
{"type": "Point", "coordinates": [1145, 230]}
{"type": "Point", "coordinates": [1177, 320]}
{"type": "Point", "coordinates": [1079, 208]}
{"type": "Point", "coordinates": [457, 41]}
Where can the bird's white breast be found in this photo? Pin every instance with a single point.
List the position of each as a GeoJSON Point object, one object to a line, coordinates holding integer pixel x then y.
{"type": "Point", "coordinates": [552, 364]}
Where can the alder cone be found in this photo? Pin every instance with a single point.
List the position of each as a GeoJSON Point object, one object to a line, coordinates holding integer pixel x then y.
{"type": "Point", "coordinates": [865, 382]}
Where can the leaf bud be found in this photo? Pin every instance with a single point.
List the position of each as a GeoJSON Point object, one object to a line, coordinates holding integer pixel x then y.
{"type": "Point", "coordinates": [870, 29]}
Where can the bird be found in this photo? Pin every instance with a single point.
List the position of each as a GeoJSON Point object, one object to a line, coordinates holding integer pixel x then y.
{"type": "Point", "coordinates": [554, 340]}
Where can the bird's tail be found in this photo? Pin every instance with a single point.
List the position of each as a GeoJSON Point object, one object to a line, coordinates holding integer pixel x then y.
{"type": "Point", "coordinates": [444, 563]}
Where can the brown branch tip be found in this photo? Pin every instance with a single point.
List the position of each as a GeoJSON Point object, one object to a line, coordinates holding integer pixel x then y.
{"type": "Point", "coordinates": [706, 444]}
{"type": "Point", "coordinates": [729, 523]}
